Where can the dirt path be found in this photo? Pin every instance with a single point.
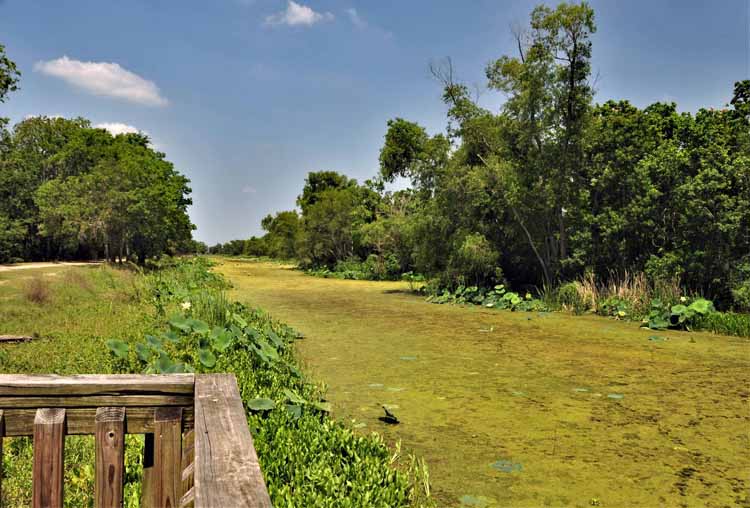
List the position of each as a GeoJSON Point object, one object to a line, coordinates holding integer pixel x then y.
{"type": "Point", "coordinates": [44, 264]}
{"type": "Point", "coordinates": [524, 410]}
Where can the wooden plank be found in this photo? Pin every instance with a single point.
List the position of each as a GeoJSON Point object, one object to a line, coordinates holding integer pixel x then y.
{"type": "Point", "coordinates": [94, 401]}
{"type": "Point", "coordinates": [2, 434]}
{"type": "Point", "coordinates": [93, 384]}
{"type": "Point", "coordinates": [188, 456]}
{"type": "Point", "coordinates": [49, 443]}
{"type": "Point", "coordinates": [138, 420]}
{"type": "Point", "coordinates": [147, 484]}
{"type": "Point", "coordinates": [15, 338]}
{"type": "Point", "coordinates": [227, 472]}
{"type": "Point", "coordinates": [167, 475]}
{"type": "Point", "coordinates": [110, 456]}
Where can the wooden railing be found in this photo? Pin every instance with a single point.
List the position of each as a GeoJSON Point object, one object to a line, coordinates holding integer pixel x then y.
{"type": "Point", "coordinates": [198, 448]}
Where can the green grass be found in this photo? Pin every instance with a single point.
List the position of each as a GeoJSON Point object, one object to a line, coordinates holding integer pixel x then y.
{"type": "Point", "coordinates": [84, 307]}
{"type": "Point", "coordinates": [475, 387]}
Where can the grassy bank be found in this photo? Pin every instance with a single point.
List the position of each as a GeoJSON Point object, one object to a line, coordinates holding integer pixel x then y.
{"type": "Point", "coordinates": [81, 316]}
{"type": "Point", "coordinates": [523, 409]}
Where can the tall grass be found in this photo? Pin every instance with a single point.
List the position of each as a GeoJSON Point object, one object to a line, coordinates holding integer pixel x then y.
{"type": "Point", "coordinates": [633, 290]}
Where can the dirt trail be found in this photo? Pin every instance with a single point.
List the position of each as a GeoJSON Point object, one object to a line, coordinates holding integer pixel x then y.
{"type": "Point", "coordinates": [45, 264]}
{"type": "Point", "coordinates": [524, 409]}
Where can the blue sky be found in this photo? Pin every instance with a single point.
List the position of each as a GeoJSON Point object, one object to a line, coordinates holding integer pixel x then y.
{"type": "Point", "coordinates": [247, 96]}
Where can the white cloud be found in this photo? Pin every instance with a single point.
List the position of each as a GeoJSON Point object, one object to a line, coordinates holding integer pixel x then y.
{"type": "Point", "coordinates": [116, 128]}
{"type": "Point", "coordinates": [356, 19]}
{"type": "Point", "coordinates": [298, 14]}
{"type": "Point", "coordinates": [103, 78]}
{"type": "Point", "coordinates": [247, 189]}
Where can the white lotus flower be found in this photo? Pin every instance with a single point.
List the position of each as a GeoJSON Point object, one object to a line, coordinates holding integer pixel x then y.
{"type": "Point", "coordinates": [185, 305]}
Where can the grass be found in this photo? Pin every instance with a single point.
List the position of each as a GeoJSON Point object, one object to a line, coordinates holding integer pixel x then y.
{"type": "Point", "coordinates": [527, 393]}
{"type": "Point", "coordinates": [71, 312]}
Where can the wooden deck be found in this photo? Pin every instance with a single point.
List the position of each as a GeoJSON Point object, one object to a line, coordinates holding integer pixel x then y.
{"type": "Point", "coordinates": [199, 451]}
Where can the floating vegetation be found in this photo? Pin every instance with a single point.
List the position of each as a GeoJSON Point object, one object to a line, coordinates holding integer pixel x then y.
{"type": "Point", "coordinates": [475, 501]}
{"type": "Point", "coordinates": [581, 390]}
{"type": "Point", "coordinates": [616, 396]}
{"type": "Point", "coordinates": [360, 425]}
{"type": "Point", "coordinates": [375, 385]}
{"type": "Point", "coordinates": [408, 358]}
{"type": "Point", "coordinates": [657, 338]}
{"type": "Point", "coordinates": [518, 394]}
{"type": "Point", "coordinates": [506, 466]}
{"type": "Point", "coordinates": [395, 389]}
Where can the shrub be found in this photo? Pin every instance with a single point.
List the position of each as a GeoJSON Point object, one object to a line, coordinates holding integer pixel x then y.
{"type": "Point", "coordinates": [569, 297]}
{"type": "Point", "coordinates": [37, 290]}
{"type": "Point", "coordinates": [476, 260]}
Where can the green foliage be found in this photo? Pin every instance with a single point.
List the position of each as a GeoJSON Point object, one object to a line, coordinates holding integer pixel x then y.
{"type": "Point", "coordinates": [308, 459]}
{"type": "Point", "coordinates": [496, 298]}
{"type": "Point", "coordinates": [680, 316]}
{"type": "Point", "coordinates": [69, 190]}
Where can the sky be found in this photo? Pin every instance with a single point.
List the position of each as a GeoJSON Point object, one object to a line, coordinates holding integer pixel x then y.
{"type": "Point", "coordinates": [246, 97]}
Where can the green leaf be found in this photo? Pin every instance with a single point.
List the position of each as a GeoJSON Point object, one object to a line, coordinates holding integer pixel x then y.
{"type": "Point", "coordinates": [198, 326]}
{"type": "Point", "coordinates": [239, 320]}
{"type": "Point", "coordinates": [143, 351]}
{"type": "Point", "coordinates": [180, 322]}
{"type": "Point", "coordinates": [702, 306]}
{"type": "Point", "coordinates": [118, 348]}
{"type": "Point", "coordinates": [171, 336]}
{"type": "Point", "coordinates": [164, 364]}
{"type": "Point", "coordinates": [207, 358]}
{"type": "Point", "coordinates": [295, 410]}
{"type": "Point", "coordinates": [220, 338]}
{"type": "Point", "coordinates": [261, 404]}
{"type": "Point", "coordinates": [293, 396]}
{"type": "Point", "coordinates": [154, 342]}
{"type": "Point", "coordinates": [323, 406]}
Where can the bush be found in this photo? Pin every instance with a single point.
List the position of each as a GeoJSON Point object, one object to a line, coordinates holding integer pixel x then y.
{"type": "Point", "coordinates": [37, 290]}
{"type": "Point", "coordinates": [475, 261]}
{"type": "Point", "coordinates": [569, 298]}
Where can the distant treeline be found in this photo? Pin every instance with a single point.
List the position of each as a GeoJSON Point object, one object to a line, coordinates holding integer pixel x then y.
{"type": "Point", "coordinates": [68, 190]}
{"type": "Point", "coordinates": [544, 190]}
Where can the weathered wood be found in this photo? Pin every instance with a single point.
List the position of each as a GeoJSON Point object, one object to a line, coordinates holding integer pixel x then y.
{"type": "Point", "coordinates": [167, 475]}
{"type": "Point", "coordinates": [49, 442]}
{"type": "Point", "coordinates": [15, 338]}
{"type": "Point", "coordinates": [147, 483]}
{"type": "Point", "coordinates": [94, 401]}
{"type": "Point", "coordinates": [188, 456]}
{"type": "Point", "coordinates": [138, 420]}
{"type": "Point", "coordinates": [110, 456]}
{"type": "Point", "coordinates": [2, 434]}
{"type": "Point", "coordinates": [227, 472]}
{"type": "Point", "coordinates": [93, 384]}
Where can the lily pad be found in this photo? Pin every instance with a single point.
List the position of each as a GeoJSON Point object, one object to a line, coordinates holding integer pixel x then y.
{"type": "Point", "coordinates": [657, 338]}
{"type": "Point", "coordinates": [616, 396]}
{"type": "Point", "coordinates": [475, 501]}
{"type": "Point", "coordinates": [408, 358]}
{"type": "Point", "coordinates": [517, 393]}
{"type": "Point", "coordinates": [395, 389]}
{"type": "Point", "coordinates": [506, 466]}
{"type": "Point", "coordinates": [375, 385]}
{"type": "Point", "coordinates": [581, 390]}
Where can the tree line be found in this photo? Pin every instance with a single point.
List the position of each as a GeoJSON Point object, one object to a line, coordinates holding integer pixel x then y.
{"type": "Point", "coordinates": [546, 189]}
{"type": "Point", "coordinates": [69, 190]}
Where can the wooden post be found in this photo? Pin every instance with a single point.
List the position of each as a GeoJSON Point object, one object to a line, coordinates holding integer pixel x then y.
{"type": "Point", "coordinates": [167, 475]}
{"type": "Point", "coordinates": [110, 456]}
{"type": "Point", "coordinates": [2, 434]}
{"type": "Point", "coordinates": [227, 472]}
{"type": "Point", "coordinates": [188, 465]}
{"type": "Point", "coordinates": [147, 482]}
{"type": "Point", "coordinates": [49, 444]}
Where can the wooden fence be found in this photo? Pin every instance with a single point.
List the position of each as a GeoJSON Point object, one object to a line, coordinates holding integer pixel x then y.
{"type": "Point", "coordinates": [198, 448]}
